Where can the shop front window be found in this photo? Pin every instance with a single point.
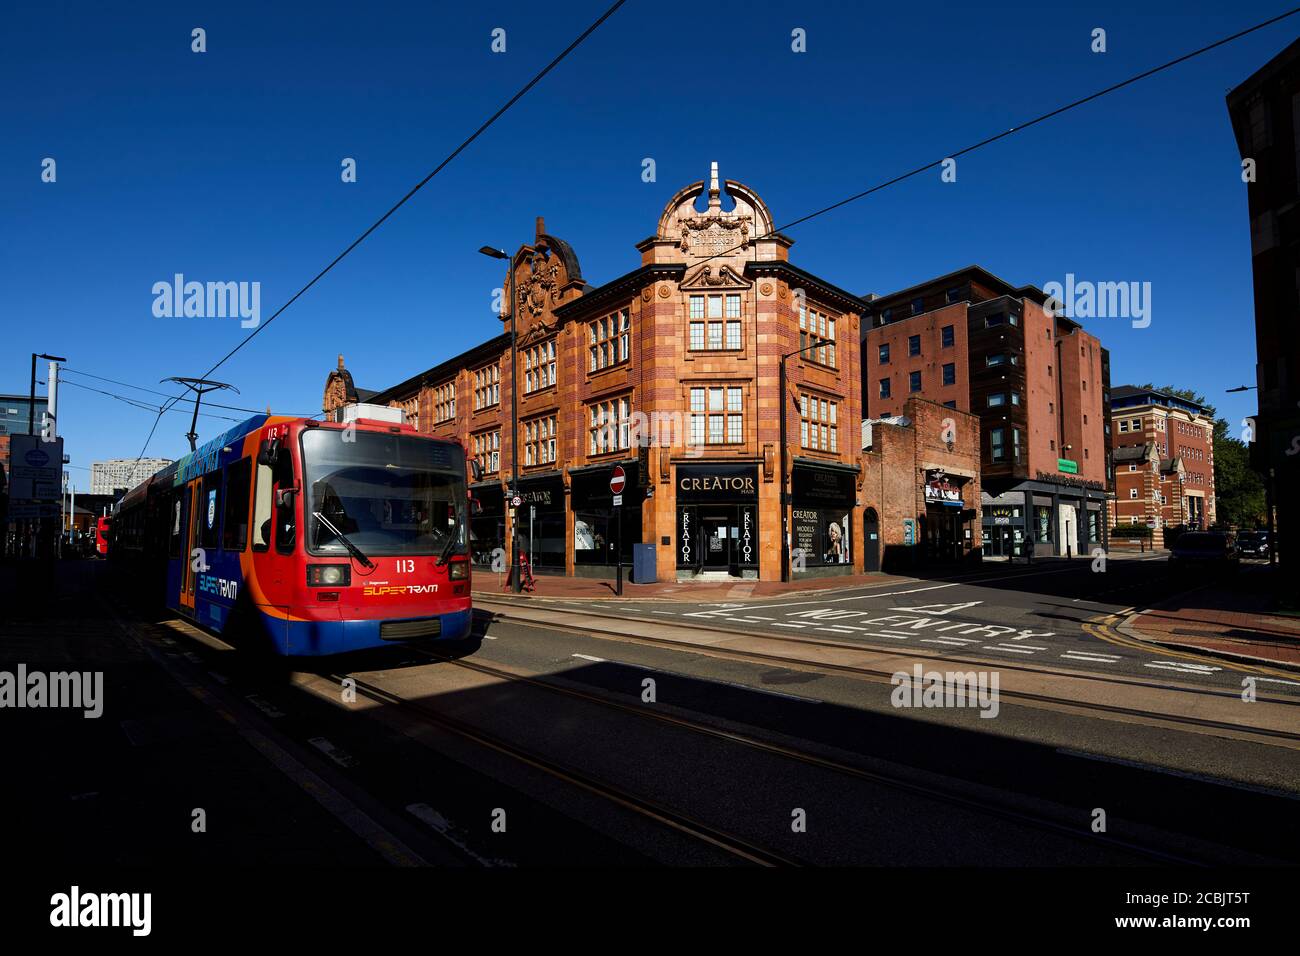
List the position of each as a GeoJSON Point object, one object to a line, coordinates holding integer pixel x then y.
{"type": "Point", "coordinates": [1043, 522]}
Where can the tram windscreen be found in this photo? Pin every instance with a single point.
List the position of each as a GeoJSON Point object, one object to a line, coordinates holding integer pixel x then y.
{"type": "Point", "coordinates": [386, 494]}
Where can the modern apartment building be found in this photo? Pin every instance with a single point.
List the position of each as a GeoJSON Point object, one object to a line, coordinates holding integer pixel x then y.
{"type": "Point", "coordinates": [1038, 384]}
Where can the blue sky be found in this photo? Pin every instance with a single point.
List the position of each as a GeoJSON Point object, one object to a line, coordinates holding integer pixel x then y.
{"type": "Point", "coordinates": [225, 166]}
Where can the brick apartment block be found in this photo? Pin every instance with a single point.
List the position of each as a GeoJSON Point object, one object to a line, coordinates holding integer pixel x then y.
{"type": "Point", "coordinates": [1037, 385]}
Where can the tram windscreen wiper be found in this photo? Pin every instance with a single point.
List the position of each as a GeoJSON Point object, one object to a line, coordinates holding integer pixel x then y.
{"type": "Point", "coordinates": [446, 550]}
{"type": "Point", "coordinates": [352, 548]}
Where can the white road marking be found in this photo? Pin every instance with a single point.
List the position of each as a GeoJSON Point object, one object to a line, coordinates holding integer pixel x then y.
{"type": "Point", "coordinates": [1011, 650]}
{"type": "Point", "coordinates": [673, 613]}
{"type": "Point", "coordinates": [264, 705]}
{"type": "Point", "coordinates": [1095, 658]}
{"type": "Point", "coordinates": [1184, 667]}
{"type": "Point", "coordinates": [448, 830]}
{"type": "Point", "coordinates": [944, 640]}
{"type": "Point", "coordinates": [340, 757]}
{"type": "Point", "coordinates": [799, 626]}
{"type": "Point", "coordinates": [933, 608]}
{"type": "Point", "coordinates": [836, 630]}
{"type": "Point", "coordinates": [854, 597]}
{"type": "Point", "coordinates": [588, 657]}
{"type": "Point", "coordinates": [1274, 680]}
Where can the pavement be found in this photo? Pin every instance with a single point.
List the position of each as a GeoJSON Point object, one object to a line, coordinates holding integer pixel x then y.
{"type": "Point", "coordinates": [490, 585]}
{"type": "Point", "coordinates": [1242, 619]}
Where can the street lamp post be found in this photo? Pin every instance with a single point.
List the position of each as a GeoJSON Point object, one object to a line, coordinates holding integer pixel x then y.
{"type": "Point", "coordinates": [517, 584]}
{"type": "Point", "coordinates": [31, 408]}
{"type": "Point", "coordinates": [785, 495]}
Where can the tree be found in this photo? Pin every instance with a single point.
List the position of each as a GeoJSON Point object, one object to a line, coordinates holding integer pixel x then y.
{"type": "Point", "coordinates": [1238, 491]}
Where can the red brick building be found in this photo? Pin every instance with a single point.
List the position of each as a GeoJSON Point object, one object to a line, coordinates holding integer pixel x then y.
{"type": "Point", "coordinates": [922, 473]}
{"type": "Point", "coordinates": [1265, 112]}
{"type": "Point", "coordinates": [1037, 383]}
{"type": "Point", "coordinates": [671, 371]}
{"type": "Point", "coordinates": [1164, 460]}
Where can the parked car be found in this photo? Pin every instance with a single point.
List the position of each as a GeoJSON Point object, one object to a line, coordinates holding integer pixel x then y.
{"type": "Point", "coordinates": [1253, 544]}
{"type": "Point", "coordinates": [1215, 549]}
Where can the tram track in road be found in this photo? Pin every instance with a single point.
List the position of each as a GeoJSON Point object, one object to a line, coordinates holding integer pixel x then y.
{"type": "Point", "coordinates": [653, 810]}
{"type": "Point", "coordinates": [737, 848]}
{"type": "Point", "coordinates": [382, 788]}
{"type": "Point", "coordinates": [894, 782]}
{"type": "Point", "coordinates": [880, 674]}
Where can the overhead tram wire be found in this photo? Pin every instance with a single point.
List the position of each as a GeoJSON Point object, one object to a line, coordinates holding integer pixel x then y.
{"type": "Point", "coordinates": [154, 391]}
{"type": "Point", "coordinates": [136, 403]}
{"type": "Point", "coordinates": [401, 202]}
{"type": "Point", "coordinates": [1015, 129]}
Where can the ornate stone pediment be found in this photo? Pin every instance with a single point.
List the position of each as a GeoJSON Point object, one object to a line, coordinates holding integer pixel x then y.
{"type": "Point", "coordinates": [538, 329]}
{"type": "Point", "coordinates": [713, 276]}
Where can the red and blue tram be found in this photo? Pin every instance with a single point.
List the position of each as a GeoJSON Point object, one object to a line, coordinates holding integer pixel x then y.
{"type": "Point", "coordinates": [307, 537]}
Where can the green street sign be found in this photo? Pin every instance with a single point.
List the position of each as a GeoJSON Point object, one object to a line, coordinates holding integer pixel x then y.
{"type": "Point", "coordinates": [1067, 466]}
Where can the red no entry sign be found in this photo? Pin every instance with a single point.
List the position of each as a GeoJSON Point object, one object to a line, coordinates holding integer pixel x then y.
{"type": "Point", "coordinates": [617, 480]}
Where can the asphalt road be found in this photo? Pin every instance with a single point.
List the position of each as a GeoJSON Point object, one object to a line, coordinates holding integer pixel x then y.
{"type": "Point", "coordinates": [1232, 792]}
{"type": "Point", "coordinates": [1041, 615]}
{"type": "Point", "coordinates": [539, 745]}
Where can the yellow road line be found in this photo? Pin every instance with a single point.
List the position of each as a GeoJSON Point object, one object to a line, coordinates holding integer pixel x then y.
{"type": "Point", "coordinates": [1102, 630]}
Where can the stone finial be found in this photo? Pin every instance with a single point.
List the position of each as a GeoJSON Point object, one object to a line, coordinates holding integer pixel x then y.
{"type": "Point", "coordinates": [714, 192]}
{"type": "Point", "coordinates": [340, 361]}
{"type": "Point", "coordinates": [541, 227]}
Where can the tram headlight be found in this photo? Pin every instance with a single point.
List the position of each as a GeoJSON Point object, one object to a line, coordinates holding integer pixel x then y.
{"type": "Point", "coordinates": [459, 571]}
{"type": "Point", "coordinates": [328, 575]}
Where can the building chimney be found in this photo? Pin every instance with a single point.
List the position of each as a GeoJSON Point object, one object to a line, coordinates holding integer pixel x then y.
{"type": "Point", "coordinates": [541, 228]}
{"type": "Point", "coordinates": [340, 361]}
